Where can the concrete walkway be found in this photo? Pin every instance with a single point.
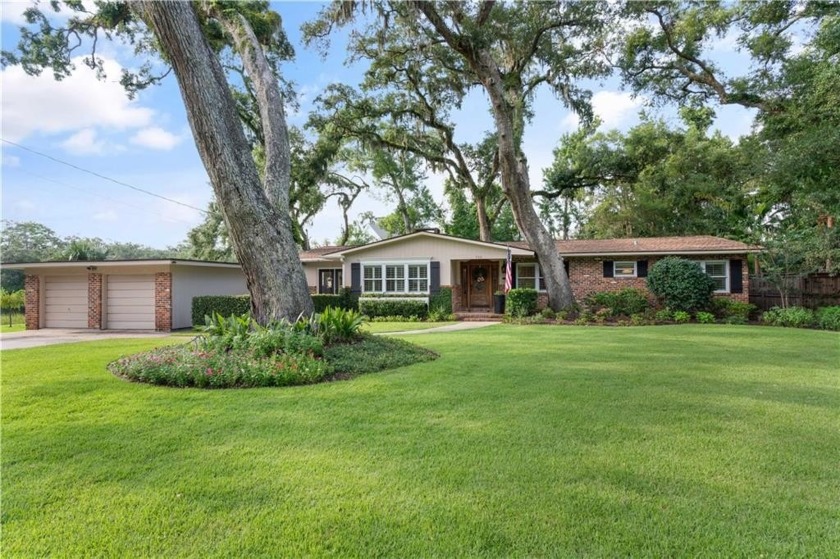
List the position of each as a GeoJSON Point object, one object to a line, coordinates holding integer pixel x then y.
{"type": "Point", "coordinates": [50, 336]}
{"type": "Point", "coordinates": [471, 325]}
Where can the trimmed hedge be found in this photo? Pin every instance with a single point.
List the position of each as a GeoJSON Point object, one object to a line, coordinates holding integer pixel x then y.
{"type": "Point", "coordinates": [521, 302]}
{"type": "Point", "coordinates": [393, 307]}
{"type": "Point", "coordinates": [344, 300]}
{"type": "Point", "coordinates": [441, 301]}
{"type": "Point", "coordinates": [627, 301]}
{"type": "Point", "coordinates": [225, 305]}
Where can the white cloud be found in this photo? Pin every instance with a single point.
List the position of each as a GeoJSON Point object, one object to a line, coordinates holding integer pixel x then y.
{"type": "Point", "coordinates": [25, 205]}
{"type": "Point", "coordinates": [614, 108]}
{"type": "Point", "coordinates": [11, 160]}
{"type": "Point", "coordinates": [11, 11]}
{"type": "Point", "coordinates": [156, 138]}
{"type": "Point", "coordinates": [40, 104]}
{"type": "Point", "coordinates": [106, 215]}
{"type": "Point", "coordinates": [170, 212]}
{"type": "Point", "coordinates": [84, 142]}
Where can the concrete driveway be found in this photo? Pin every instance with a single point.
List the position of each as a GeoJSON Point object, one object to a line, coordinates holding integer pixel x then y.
{"type": "Point", "coordinates": [50, 336]}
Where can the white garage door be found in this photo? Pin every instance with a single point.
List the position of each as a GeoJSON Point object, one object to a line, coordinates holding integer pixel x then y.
{"type": "Point", "coordinates": [131, 303]}
{"type": "Point", "coordinates": [66, 302]}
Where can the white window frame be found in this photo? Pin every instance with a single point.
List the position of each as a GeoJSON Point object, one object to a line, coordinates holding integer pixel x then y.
{"type": "Point", "coordinates": [635, 273]}
{"type": "Point", "coordinates": [405, 280]}
{"type": "Point", "coordinates": [725, 263]}
{"type": "Point", "coordinates": [539, 279]}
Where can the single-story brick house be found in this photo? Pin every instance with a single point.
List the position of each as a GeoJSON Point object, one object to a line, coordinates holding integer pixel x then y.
{"type": "Point", "coordinates": [421, 263]}
{"type": "Point", "coordinates": [157, 294]}
{"type": "Point", "coordinates": [122, 294]}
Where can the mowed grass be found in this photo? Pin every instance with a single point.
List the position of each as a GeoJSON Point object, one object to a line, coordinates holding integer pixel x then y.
{"type": "Point", "coordinates": [683, 441]}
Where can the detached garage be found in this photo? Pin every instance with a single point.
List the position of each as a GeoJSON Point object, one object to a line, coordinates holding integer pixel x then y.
{"type": "Point", "coordinates": [123, 294]}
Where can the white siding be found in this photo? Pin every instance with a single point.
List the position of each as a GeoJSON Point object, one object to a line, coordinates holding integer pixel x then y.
{"type": "Point", "coordinates": [130, 302]}
{"type": "Point", "coordinates": [66, 301]}
{"type": "Point", "coordinates": [442, 249]}
{"type": "Point", "coordinates": [191, 281]}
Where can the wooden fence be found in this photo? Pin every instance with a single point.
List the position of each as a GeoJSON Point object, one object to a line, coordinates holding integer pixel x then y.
{"type": "Point", "coordinates": [816, 290]}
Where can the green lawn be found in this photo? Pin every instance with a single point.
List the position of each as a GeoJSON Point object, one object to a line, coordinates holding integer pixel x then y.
{"type": "Point", "coordinates": [382, 327]}
{"type": "Point", "coordinates": [688, 441]}
{"type": "Point", "coordinates": [18, 323]}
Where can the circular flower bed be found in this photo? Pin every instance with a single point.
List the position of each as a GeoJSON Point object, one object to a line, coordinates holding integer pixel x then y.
{"type": "Point", "coordinates": [186, 365]}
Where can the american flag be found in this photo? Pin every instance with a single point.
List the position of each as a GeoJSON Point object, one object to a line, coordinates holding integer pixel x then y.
{"type": "Point", "coordinates": [508, 273]}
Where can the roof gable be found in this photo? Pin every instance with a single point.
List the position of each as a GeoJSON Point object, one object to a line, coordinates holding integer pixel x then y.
{"type": "Point", "coordinates": [428, 235]}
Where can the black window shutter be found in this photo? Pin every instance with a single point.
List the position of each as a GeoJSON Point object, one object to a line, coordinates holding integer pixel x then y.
{"type": "Point", "coordinates": [513, 275]}
{"type": "Point", "coordinates": [566, 266]}
{"type": "Point", "coordinates": [356, 278]}
{"type": "Point", "coordinates": [434, 277]}
{"type": "Point", "coordinates": [641, 269]}
{"type": "Point", "coordinates": [736, 278]}
{"type": "Point", "coordinates": [608, 268]}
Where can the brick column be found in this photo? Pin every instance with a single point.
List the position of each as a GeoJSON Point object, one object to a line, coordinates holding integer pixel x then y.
{"type": "Point", "coordinates": [163, 301]}
{"type": "Point", "coordinates": [94, 300]}
{"type": "Point", "coordinates": [32, 301]}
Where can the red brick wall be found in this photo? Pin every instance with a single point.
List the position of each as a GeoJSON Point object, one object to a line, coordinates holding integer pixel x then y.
{"type": "Point", "coordinates": [586, 276]}
{"type": "Point", "coordinates": [32, 300]}
{"type": "Point", "coordinates": [163, 301]}
{"type": "Point", "coordinates": [94, 300]}
{"type": "Point", "coordinates": [457, 298]}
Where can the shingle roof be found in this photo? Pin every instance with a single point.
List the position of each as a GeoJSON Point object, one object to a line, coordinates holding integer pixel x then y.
{"type": "Point", "coordinates": [317, 252]}
{"type": "Point", "coordinates": [649, 245]}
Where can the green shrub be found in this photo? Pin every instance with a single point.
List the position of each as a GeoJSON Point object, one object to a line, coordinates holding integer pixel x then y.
{"type": "Point", "coordinates": [224, 333]}
{"type": "Point", "coordinates": [266, 342]}
{"type": "Point", "coordinates": [680, 284]}
{"type": "Point", "coordinates": [225, 305]}
{"type": "Point", "coordinates": [322, 302]}
{"type": "Point", "coordinates": [724, 307]}
{"type": "Point", "coordinates": [664, 315]}
{"type": "Point", "coordinates": [624, 302]}
{"type": "Point", "coordinates": [521, 302]}
{"type": "Point", "coordinates": [183, 366]}
{"type": "Point", "coordinates": [601, 315]}
{"type": "Point", "coordinates": [791, 317]}
{"type": "Point", "coordinates": [339, 325]}
{"type": "Point", "coordinates": [705, 317]}
{"type": "Point", "coordinates": [393, 307]}
{"type": "Point", "coordinates": [828, 318]}
{"type": "Point", "coordinates": [374, 353]}
{"type": "Point", "coordinates": [638, 319]}
{"type": "Point", "coordinates": [439, 315]}
{"type": "Point", "coordinates": [548, 313]}
{"type": "Point", "coordinates": [241, 333]}
{"type": "Point", "coordinates": [681, 317]}
{"type": "Point", "coordinates": [395, 319]}
{"type": "Point", "coordinates": [441, 302]}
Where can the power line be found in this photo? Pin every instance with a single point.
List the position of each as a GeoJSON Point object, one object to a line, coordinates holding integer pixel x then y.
{"type": "Point", "coordinates": [96, 195]}
{"type": "Point", "coordinates": [95, 174]}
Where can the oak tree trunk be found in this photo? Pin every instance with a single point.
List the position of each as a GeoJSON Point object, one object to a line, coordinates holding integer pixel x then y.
{"type": "Point", "coordinates": [517, 187]}
{"type": "Point", "coordinates": [260, 231]}
{"type": "Point", "coordinates": [485, 232]}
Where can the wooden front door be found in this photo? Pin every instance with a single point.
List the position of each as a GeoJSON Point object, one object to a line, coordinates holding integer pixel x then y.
{"type": "Point", "coordinates": [480, 284]}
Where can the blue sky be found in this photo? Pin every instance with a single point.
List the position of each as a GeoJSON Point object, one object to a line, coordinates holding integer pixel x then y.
{"type": "Point", "coordinates": [146, 142]}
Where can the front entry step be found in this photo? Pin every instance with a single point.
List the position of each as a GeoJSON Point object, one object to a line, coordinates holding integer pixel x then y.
{"type": "Point", "coordinates": [466, 316]}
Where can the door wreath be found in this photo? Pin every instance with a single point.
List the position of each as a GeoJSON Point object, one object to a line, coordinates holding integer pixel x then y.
{"type": "Point", "coordinates": [479, 278]}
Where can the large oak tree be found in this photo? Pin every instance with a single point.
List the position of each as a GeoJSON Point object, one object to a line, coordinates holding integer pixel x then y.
{"type": "Point", "coordinates": [191, 37]}
{"type": "Point", "coordinates": [508, 51]}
